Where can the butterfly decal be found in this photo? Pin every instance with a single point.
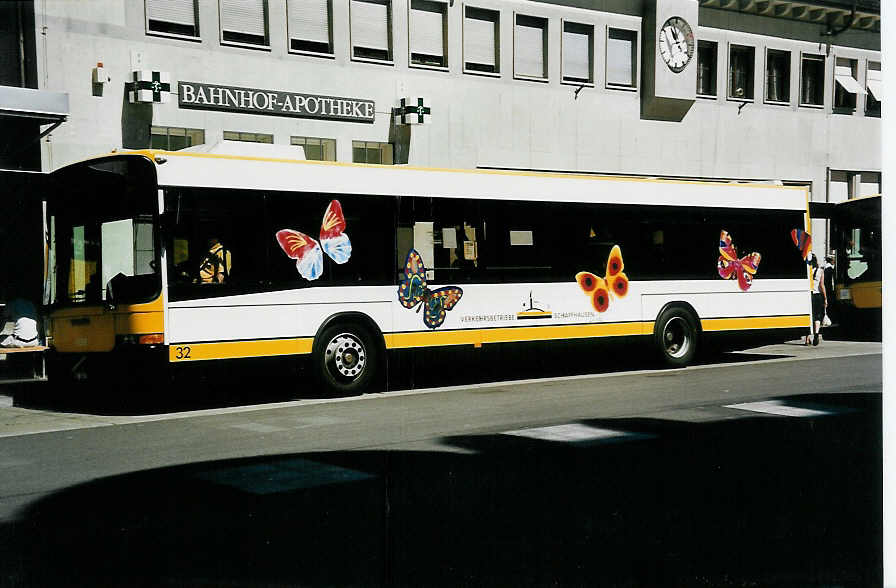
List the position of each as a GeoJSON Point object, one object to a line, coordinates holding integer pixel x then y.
{"type": "Point", "coordinates": [601, 289]}
{"type": "Point", "coordinates": [308, 253]}
{"type": "Point", "coordinates": [412, 290]}
{"type": "Point", "coordinates": [802, 240]}
{"type": "Point", "coordinates": [731, 267]}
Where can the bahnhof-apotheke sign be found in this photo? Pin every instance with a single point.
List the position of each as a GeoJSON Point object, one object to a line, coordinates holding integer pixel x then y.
{"type": "Point", "coordinates": [273, 102]}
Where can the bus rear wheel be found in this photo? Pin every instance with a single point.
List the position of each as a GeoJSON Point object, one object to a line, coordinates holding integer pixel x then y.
{"type": "Point", "coordinates": [345, 359]}
{"type": "Point", "coordinates": [675, 337]}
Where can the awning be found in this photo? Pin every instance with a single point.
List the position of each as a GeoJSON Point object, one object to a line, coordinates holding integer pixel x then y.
{"type": "Point", "coordinates": [876, 84]}
{"type": "Point", "coordinates": [45, 106]}
{"type": "Point", "coordinates": [843, 75]}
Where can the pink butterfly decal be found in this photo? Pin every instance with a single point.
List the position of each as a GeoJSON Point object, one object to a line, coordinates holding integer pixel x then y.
{"type": "Point", "coordinates": [308, 253]}
{"type": "Point", "coordinates": [730, 266]}
{"type": "Point", "coordinates": [802, 240]}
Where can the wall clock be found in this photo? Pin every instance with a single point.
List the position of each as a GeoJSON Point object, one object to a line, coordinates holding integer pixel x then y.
{"type": "Point", "coordinates": [676, 43]}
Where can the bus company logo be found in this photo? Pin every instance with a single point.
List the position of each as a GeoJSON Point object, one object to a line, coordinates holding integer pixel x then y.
{"type": "Point", "coordinates": [534, 309]}
{"type": "Point", "coordinates": [274, 102]}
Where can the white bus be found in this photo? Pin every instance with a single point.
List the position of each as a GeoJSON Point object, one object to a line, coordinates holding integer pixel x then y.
{"type": "Point", "coordinates": [344, 263]}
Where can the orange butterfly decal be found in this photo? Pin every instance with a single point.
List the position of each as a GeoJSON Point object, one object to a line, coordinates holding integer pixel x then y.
{"type": "Point", "coordinates": [602, 289]}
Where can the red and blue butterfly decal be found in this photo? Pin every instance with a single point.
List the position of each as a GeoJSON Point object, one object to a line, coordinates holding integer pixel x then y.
{"type": "Point", "coordinates": [802, 240]}
{"type": "Point", "coordinates": [412, 290]}
{"type": "Point", "coordinates": [599, 288]}
{"type": "Point", "coordinates": [730, 266]}
{"type": "Point", "coordinates": [307, 251]}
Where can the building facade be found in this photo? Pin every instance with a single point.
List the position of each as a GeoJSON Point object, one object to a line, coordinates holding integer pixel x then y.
{"type": "Point", "coordinates": [776, 90]}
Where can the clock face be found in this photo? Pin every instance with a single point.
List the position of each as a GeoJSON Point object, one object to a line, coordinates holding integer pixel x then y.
{"type": "Point", "coordinates": [676, 43]}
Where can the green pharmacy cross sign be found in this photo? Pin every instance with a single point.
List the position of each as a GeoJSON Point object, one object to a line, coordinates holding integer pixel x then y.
{"type": "Point", "coordinates": [413, 111]}
{"type": "Point", "coordinates": [150, 86]}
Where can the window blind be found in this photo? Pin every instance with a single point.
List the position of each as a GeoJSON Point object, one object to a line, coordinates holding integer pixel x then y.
{"type": "Point", "coordinates": [427, 26]}
{"type": "Point", "coordinates": [243, 16]}
{"type": "Point", "coordinates": [479, 40]}
{"type": "Point", "coordinates": [529, 50]}
{"type": "Point", "coordinates": [843, 76]}
{"type": "Point", "coordinates": [309, 20]}
{"type": "Point", "coordinates": [619, 59]}
{"type": "Point", "coordinates": [181, 12]}
{"type": "Point", "coordinates": [370, 25]}
{"type": "Point", "coordinates": [576, 55]}
{"type": "Point", "coordinates": [875, 83]}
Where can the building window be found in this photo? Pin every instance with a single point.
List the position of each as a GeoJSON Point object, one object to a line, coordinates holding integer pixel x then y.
{"type": "Point", "coordinates": [481, 40]}
{"type": "Point", "coordinates": [174, 138]}
{"type": "Point", "coordinates": [316, 148]}
{"type": "Point", "coordinates": [248, 137]}
{"type": "Point", "coordinates": [172, 17]}
{"type": "Point", "coordinates": [846, 185]}
{"type": "Point", "coordinates": [707, 58]}
{"type": "Point", "coordinates": [371, 22]}
{"type": "Point", "coordinates": [869, 183]}
{"type": "Point", "coordinates": [812, 83]}
{"type": "Point", "coordinates": [845, 85]}
{"type": "Point", "coordinates": [874, 83]}
{"type": "Point", "coordinates": [622, 58]}
{"type": "Point", "coordinates": [244, 22]}
{"type": "Point", "coordinates": [741, 63]}
{"type": "Point", "coordinates": [777, 76]}
{"type": "Point", "coordinates": [530, 47]}
{"type": "Point", "coordinates": [372, 152]}
{"type": "Point", "coordinates": [578, 53]}
{"type": "Point", "coordinates": [429, 33]}
{"type": "Point", "coordinates": [310, 26]}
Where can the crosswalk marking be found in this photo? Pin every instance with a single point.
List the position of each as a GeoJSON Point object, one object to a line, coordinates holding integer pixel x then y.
{"type": "Point", "coordinates": [572, 433]}
{"type": "Point", "coordinates": [281, 476]}
{"type": "Point", "coordinates": [778, 407]}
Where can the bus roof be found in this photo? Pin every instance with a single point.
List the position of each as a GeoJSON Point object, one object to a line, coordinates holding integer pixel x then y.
{"type": "Point", "coordinates": [215, 170]}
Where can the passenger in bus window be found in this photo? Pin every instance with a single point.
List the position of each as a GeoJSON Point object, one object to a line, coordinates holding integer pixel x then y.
{"type": "Point", "coordinates": [216, 264]}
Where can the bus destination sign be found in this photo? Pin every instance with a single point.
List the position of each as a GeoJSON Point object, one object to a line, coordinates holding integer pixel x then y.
{"type": "Point", "coordinates": [274, 102]}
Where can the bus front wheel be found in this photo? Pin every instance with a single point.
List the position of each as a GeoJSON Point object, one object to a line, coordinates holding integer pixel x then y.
{"type": "Point", "coordinates": [345, 359]}
{"type": "Point", "coordinates": [675, 337]}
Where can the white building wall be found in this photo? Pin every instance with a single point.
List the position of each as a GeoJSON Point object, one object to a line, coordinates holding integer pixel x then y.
{"type": "Point", "coordinates": [476, 120]}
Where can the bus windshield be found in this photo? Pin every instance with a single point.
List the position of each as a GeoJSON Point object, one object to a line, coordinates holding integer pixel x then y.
{"type": "Point", "coordinates": [102, 243]}
{"type": "Point", "coordinates": [857, 229]}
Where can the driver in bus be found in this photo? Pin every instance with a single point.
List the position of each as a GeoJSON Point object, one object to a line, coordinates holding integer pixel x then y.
{"type": "Point", "coordinates": [215, 266]}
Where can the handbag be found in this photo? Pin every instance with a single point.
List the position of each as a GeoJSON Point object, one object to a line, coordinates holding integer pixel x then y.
{"type": "Point", "coordinates": [825, 322]}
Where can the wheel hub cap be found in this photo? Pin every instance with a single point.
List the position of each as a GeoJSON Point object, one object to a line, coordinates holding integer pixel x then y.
{"type": "Point", "coordinates": [346, 356]}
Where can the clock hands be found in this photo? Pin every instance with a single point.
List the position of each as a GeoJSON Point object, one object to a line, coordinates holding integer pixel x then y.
{"type": "Point", "coordinates": [676, 43]}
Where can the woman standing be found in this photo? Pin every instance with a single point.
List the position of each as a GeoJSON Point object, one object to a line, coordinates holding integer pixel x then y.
{"type": "Point", "coordinates": [819, 299]}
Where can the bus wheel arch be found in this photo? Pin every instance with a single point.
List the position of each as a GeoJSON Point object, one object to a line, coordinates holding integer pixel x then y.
{"type": "Point", "coordinates": [676, 334]}
{"type": "Point", "coordinates": [348, 354]}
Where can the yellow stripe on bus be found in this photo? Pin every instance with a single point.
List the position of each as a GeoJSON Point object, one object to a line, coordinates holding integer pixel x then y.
{"type": "Point", "coordinates": [759, 322]}
{"type": "Point", "coordinates": [477, 337]}
{"type": "Point", "coordinates": [513, 335]}
{"type": "Point", "coordinates": [238, 349]}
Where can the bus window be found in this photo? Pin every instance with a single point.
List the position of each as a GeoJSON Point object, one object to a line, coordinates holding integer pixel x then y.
{"type": "Point", "coordinates": [448, 233]}
{"type": "Point", "coordinates": [101, 229]}
{"type": "Point", "coordinates": [216, 242]}
{"type": "Point", "coordinates": [128, 259]}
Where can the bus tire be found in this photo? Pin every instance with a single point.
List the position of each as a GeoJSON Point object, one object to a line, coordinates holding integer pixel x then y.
{"type": "Point", "coordinates": [675, 336]}
{"type": "Point", "coordinates": [346, 359]}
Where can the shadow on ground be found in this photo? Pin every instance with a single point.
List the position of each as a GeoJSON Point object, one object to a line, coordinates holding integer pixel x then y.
{"type": "Point", "coordinates": [755, 501]}
{"type": "Point", "coordinates": [223, 384]}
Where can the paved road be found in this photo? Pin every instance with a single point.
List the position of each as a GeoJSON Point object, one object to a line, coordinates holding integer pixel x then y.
{"type": "Point", "coordinates": [761, 470]}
